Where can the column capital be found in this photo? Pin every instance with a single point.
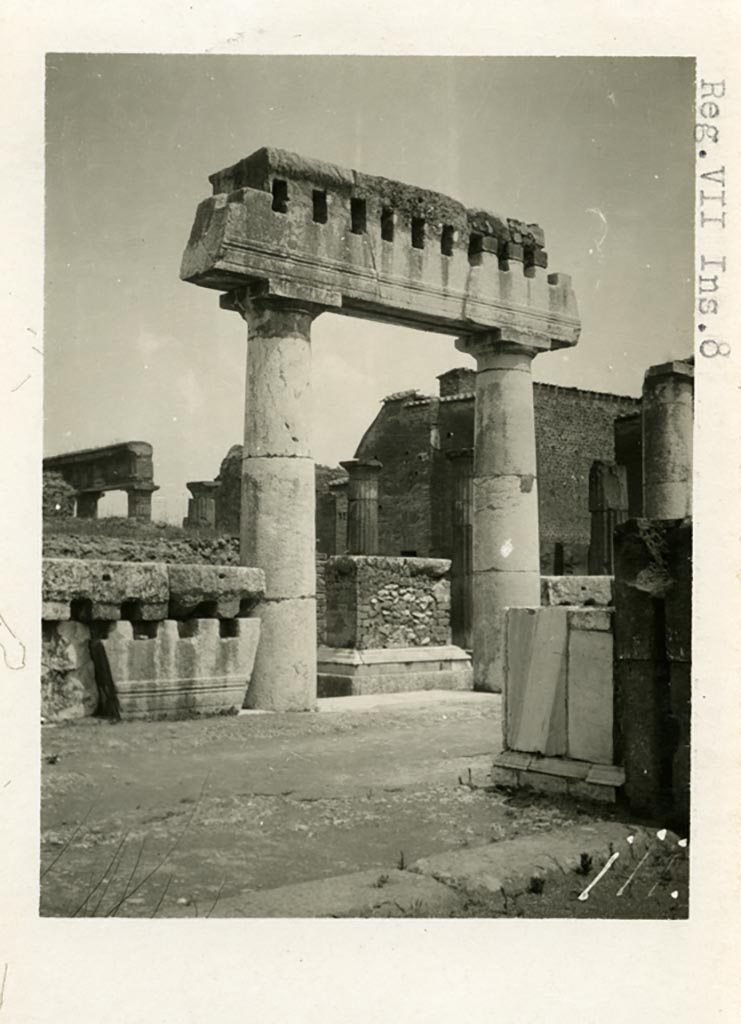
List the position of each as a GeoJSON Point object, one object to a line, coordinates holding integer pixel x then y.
{"type": "Point", "coordinates": [362, 467]}
{"type": "Point", "coordinates": [501, 347]}
{"type": "Point", "coordinates": [203, 488]}
{"type": "Point", "coordinates": [253, 301]}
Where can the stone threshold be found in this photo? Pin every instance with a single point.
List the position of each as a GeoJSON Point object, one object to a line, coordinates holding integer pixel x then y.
{"type": "Point", "coordinates": [560, 775]}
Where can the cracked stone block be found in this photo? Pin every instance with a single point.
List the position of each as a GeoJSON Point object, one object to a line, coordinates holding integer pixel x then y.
{"type": "Point", "coordinates": [68, 687]}
{"type": "Point", "coordinates": [223, 591]}
{"type": "Point", "coordinates": [201, 666]}
{"type": "Point", "coordinates": [91, 589]}
{"type": "Point", "coordinates": [576, 590]}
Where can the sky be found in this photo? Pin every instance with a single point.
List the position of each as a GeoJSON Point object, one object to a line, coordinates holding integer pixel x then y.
{"type": "Point", "coordinates": [598, 151]}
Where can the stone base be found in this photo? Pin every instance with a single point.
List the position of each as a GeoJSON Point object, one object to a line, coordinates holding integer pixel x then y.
{"type": "Point", "coordinates": [347, 672]}
{"type": "Point", "coordinates": [200, 666]}
{"type": "Point", "coordinates": [560, 775]}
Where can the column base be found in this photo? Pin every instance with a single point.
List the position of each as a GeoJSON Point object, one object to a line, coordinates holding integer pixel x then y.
{"type": "Point", "coordinates": [348, 672]}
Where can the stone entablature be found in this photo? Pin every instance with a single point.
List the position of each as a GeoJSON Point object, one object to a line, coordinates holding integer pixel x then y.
{"type": "Point", "coordinates": [96, 590]}
{"type": "Point", "coordinates": [378, 602]}
{"type": "Point", "coordinates": [93, 471]}
{"type": "Point", "coordinates": [377, 248]}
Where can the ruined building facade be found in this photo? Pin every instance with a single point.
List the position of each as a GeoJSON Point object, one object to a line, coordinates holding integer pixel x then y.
{"type": "Point", "coordinates": [413, 436]}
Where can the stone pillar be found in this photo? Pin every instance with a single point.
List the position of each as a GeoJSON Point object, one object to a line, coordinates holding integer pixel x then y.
{"type": "Point", "coordinates": [339, 490]}
{"type": "Point", "coordinates": [202, 506]}
{"type": "Point", "coordinates": [667, 441]}
{"type": "Point", "coordinates": [140, 502]}
{"type": "Point", "coordinates": [608, 506]}
{"type": "Point", "coordinates": [278, 500]}
{"type": "Point", "coordinates": [506, 545]}
{"type": "Point", "coordinates": [362, 505]}
{"type": "Point", "coordinates": [87, 504]}
{"type": "Point", "coordinates": [461, 570]}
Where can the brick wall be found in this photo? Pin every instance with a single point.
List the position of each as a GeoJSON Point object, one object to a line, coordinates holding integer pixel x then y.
{"type": "Point", "coordinates": [380, 602]}
{"type": "Point", "coordinates": [410, 437]}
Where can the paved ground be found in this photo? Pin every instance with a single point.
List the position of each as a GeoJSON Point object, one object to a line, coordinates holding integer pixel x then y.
{"type": "Point", "coordinates": [182, 814]}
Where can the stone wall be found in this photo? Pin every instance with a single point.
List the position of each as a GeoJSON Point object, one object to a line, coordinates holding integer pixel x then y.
{"type": "Point", "coordinates": [379, 602]}
{"type": "Point", "coordinates": [58, 496]}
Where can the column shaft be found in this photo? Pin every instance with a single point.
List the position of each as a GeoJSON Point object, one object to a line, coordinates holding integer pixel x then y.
{"type": "Point", "coordinates": [362, 506]}
{"type": "Point", "coordinates": [461, 569]}
{"type": "Point", "coordinates": [140, 505]}
{"type": "Point", "coordinates": [667, 418]}
{"type": "Point", "coordinates": [277, 522]}
{"type": "Point", "coordinates": [506, 543]}
{"type": "Point", "coordinates": [608, 506]}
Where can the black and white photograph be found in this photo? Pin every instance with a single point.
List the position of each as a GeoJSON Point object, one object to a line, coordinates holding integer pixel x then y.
{"type": "Point", "coordinates": [367, 486]}
{"type": "Point", "coordinates": [369, 639]}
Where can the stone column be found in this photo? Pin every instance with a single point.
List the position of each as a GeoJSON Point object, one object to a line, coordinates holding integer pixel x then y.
{"type": "Point", "coordinates": [608, 506]}
{"type": "Point", "coordinates": [339, 490]}
{"type": "Point", "coordinates": [667, 441]}
{"type": "Point", "coordinates": [140, 502]}
{"type": "Point", "coordinates": [278, 500]}
{"type": "Point", "coordinates": [506, 544]}
{"type": "Point", "coordinates": [202, 506]}
{"type": "Point", "coordinates": [87, 504]}
{"type": "Point", "coordinates": [461, 569]}
{"type": "Point", "coordinates": [362, 505]}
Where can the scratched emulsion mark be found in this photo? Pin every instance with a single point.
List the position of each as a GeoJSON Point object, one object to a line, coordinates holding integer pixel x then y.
{"type": "Point", "coordinates": [585, 894]}
{"type": "Point", "coordinates": [2, 985]}
{"type": "Point", "coordinates": [14, 652]}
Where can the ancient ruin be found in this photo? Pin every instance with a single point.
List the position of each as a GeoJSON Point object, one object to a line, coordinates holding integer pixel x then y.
{"type": "Point", "coordinates": [91, 472]}
{"type": "Point", "coordinates": [288, 238]}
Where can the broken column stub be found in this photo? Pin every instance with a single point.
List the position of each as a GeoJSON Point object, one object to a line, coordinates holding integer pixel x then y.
{"type": "Point", "coordinates": [362, 505]}
{"type": "Point", "coordinates": [667, 418]}
{"type": "Point", "coordinates": [278, 498]}
{"type": "Point", "coordinates": [202, 503]}
{"type": "Point", "coordinates": [506, 544]}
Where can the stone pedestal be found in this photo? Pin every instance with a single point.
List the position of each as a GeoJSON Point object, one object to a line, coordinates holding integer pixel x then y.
{"type": "Point", "coordinates": [202, 505]}
{"type": "Point", "coordinates": [506, 546]}
{"type": "Point", "coordinates": [278, 529]}
{"type": "Point", "coordinates": [608, 506]}
{"type": "Point", "coordinates": [87, 504]}
{"type": "Point", "coordinates": [362, 505]}
{"type": "Point", "coordinates": [667, 415]}
{"type": "Point", "coordinates": [461, 569]}
{"type": "Point", "coordinates": [140, 503]}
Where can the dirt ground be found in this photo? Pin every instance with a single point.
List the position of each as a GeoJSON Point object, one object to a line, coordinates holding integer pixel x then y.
{"type": "Point", "coordinates": [141, 816]}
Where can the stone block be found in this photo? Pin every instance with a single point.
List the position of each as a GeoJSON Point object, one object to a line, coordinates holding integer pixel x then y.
{"type": "Point", "coordinates": [505, 776]}
{"type": "Point", "coordinates": [68, 687]}
{"type": "Point", "coordinates": [599, 619]}
{"type": "Point", "coordinates": [542, 782]}
{"type": "Point", "coordinates": [200, 666]}
{"type": "Point", "coordinates": [224, 591]}
{"type": "Point", "coordinates": [353, 672]}
{"type": "Point", "coordinates": [513, 759]}
{"type": "Point", "coordinates": [535, 688]}
{"type": "Point", "coordinates": [590, 696]}
{"type": "Point", "coordinates": [678, 602]}
{"type": "Point", "coordinates": [592, 791]}
{"type": "Point", "coordinates": [576, 590]}
{"type": "Point", "coordinates": [90, 589]}
{"type": "Point", "coordinates": [564, 767]}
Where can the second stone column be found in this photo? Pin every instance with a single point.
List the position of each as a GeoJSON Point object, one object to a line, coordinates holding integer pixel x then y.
{"type": "Point", "coordinates": [277, 517]}
{"type": "Point", "coordinates": [506, 543]}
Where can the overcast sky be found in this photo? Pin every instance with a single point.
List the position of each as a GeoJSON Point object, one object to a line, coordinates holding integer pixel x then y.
{"type": "Point", "coordinates": [599, 152]}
